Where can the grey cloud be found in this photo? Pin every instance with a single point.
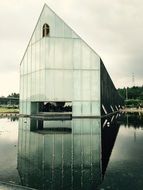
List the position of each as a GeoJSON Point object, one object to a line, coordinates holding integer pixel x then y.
{"type": "Point", "coordinates": [113, 28]}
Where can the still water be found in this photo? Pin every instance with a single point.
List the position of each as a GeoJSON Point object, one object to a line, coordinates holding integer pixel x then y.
{"type": "Point", "coordinates": [73, 154]}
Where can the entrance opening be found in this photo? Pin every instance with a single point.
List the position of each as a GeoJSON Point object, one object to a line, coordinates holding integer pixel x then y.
{"type": "Point", "coordinates": [55, 106]}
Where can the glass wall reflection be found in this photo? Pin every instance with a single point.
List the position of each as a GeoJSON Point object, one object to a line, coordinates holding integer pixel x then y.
{"type": "Point", "coordinates": [110, 129]}
{"type": "Point", "coordinates": [69, 154]}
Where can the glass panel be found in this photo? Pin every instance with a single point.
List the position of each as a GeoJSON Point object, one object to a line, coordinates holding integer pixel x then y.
{"type": "Point", "coordinates": [28, 107]}
{"type": "Point", "coordinates": [33, 58]}
{"type": "Point", "coordinates": [25, 65]}
{"type": "Point", "coordinates": [59, 53]}
{"type": "Point", "coordinates": [49, 85]}
{"type": "Point", "coordinates": [96, 108]}
{"type": "Point", "coordinates": [25, 87]}
{"type": "Point", "coordinates": [37, 56]}
{"type": "Point", "coordinates": [76, 108]}
{"type": "Point", "coordinates": [59, 27]}
{"type": "Point", "coordinates": [33, 86]}
{"type": "Point", "coordinates": [58, 85]}
{"type": "Point", "coordinates": [95, 61]}
{"type": "Point", "coordinates": [77, 53]}
{"type": "Point", "coordinates": [67, 53]}
{"type": "Point", "coordinates": [86, 108]}
{"type": "Point", "coordinates": [28, 86]}
{"type": "Point", "coordinates": [50, 53]}
{"type": "Point", "coordinates": [22, 67]}
{"type": "Point", "coordinates": [67, 85]}
{"type": "Point", "coordinates": [29, 59]}
{"type": "Point", "coordinates": [21, 107]}
{"type": "Point", "coordinates": [95, 85]}
{"type": "Point", "coordinates": [43, 53]}
{"type": "Point", "coordinates": [86, 85]}
{"type": "Point", "coordinates": [77, 85]}
{"type": "Point", "coordinates": [42, 85]}
{"type": "Point", "coordinates": [21, 87]}
{"type": "Point", "coordinates": [24, 107]}
{"type": "Point", "coordinates": [86, 55]}
{"type": "Point", "coordinates": [37, 85]}
{"type": "Point", "coordinates": [67, 32]}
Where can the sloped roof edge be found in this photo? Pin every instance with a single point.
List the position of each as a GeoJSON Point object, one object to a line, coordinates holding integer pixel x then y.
{"type": "Point", "coordinates": [45, 5]}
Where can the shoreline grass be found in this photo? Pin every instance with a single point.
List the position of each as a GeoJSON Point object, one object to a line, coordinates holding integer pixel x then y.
{"type": "Point", "coordinates": [133, 110]}
{"type": "Point", "coordinates": [9, 110]}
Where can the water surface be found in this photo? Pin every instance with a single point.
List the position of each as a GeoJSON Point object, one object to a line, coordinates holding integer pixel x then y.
{"type": "Point", "coordinates": [125, 169]}
{"type": "Point", "coordinates": [8, 150]}
{"type": "Point", "coordinates": [73, 154]}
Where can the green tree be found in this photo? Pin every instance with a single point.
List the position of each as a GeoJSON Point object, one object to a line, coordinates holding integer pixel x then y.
{"type": "Point", "coordinates": [14, 95]}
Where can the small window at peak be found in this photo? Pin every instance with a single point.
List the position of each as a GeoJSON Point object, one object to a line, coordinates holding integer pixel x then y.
{"type": "Point", "coordinates": [46, 30]}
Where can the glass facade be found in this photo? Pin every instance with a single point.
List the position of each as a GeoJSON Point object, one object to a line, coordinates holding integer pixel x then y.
{"type": "Point", "coordinates": [61, 67]}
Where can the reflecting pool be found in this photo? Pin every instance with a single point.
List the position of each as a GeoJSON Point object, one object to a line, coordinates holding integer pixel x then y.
{"type": "Point", "coordinates": [73, 154]}
{"type": "Point", "coordinates": [8, 150]}
{"type": "Point", "coordinates": [125, 168]}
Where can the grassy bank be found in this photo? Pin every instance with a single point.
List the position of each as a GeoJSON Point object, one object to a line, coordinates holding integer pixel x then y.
{"type": "Point", "coordinates": [133, 110]}
{"type": "Point", "coordinates": [9, 110]}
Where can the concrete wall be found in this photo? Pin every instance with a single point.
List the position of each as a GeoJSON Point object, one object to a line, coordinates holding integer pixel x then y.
{"type": "Point", "coordinates": [110, 99]}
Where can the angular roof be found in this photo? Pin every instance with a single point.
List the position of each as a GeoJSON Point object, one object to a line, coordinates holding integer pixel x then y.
{"type": "Point", "coordinates": [58, 28]}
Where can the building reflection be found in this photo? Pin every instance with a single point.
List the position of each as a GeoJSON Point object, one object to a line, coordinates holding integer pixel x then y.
{"type": "Point", "coordinates": [110, 128]}
{"type": "Point", "coordinates": [69, 154]}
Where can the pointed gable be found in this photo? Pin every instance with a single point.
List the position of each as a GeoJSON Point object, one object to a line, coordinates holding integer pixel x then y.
{"type": "Point", "coordinates": [57, 26]}
{"type": "Point", "coordinates": [59, 66]}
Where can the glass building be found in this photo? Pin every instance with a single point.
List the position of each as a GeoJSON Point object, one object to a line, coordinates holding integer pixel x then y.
{"type": "Point", "coordinates": [59, 72]}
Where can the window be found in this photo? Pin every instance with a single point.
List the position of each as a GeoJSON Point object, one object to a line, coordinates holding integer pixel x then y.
{"type": "Point", "coordinates": [46, 30]}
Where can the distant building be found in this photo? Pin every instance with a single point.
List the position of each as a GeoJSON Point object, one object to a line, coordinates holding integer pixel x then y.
{"type": "Point", "coordinates": [60, 72]}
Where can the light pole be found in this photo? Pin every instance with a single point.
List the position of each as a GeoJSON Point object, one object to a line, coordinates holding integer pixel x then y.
{"type": "Point", "coordinates": [127, 93]}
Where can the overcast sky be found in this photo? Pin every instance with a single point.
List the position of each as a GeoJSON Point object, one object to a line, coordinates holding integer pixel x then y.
{"type": "Point", "coordinates": [113, 28]}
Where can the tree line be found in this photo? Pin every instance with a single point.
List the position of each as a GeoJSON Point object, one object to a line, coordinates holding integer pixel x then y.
{"type": "Point", "coordinates": [10, 100]}
{"type": "Point", "coordinates": [133, 96]}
